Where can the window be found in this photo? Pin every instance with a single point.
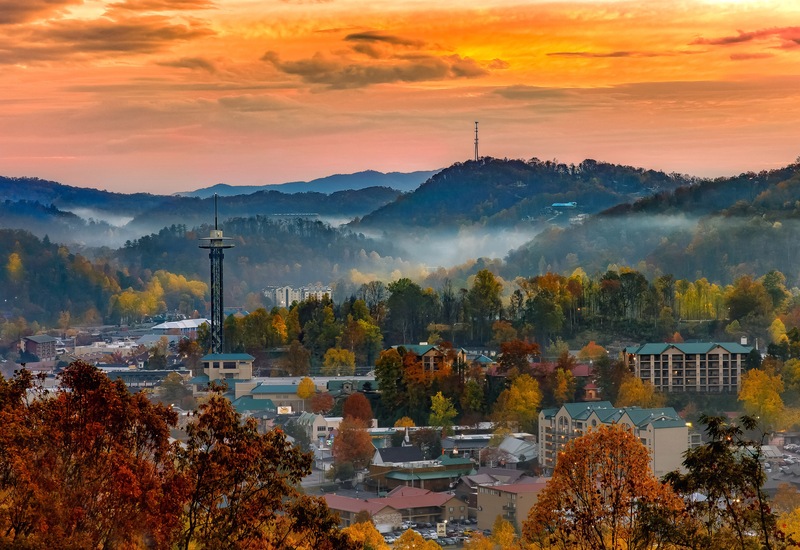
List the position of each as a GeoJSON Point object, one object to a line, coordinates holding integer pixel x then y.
{"type": "Point", "coordinates": [450, 509]}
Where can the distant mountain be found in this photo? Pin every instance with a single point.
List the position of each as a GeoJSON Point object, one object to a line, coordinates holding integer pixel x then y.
{"type": "Point", "coordinates": [339, 182]}
{"type": "Point", "coordinates": [340, 207]}
{"type": "Point", "coordinates": [68, 198]}
{"type": "Point", "coordinates": [101, 218]}
{"type": "Point", "coordinates": [718, 229]}
{"type": "Point", "coordinates": [506, 193]}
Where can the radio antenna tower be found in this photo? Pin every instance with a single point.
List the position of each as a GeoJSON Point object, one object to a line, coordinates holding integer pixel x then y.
{"type": "Point", "coordinates": [476, 141]}
{"type": "Point", "coordinates": [216, 243]}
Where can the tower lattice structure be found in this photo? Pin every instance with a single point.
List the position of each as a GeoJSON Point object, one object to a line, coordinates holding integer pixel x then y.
{"type": "Point", "coordinates": [216, 243]}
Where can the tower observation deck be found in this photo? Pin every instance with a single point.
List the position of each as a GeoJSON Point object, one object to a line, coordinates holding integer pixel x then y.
{"type": "Point", "coordinates": [216, 243]}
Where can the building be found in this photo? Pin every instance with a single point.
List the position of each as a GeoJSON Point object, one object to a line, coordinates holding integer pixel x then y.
{"type": "Point", "coordinates": [440, 474]}
{"type": "Point", "coordinates": [187, 327]}
{"type": "Point", "coordinates": [228, 366]}
{"type": "Point", "coordinates": [317, 426]}
{"type": "Point", "coordinates": [433, 357]}
{"type": "Point", "coordinates": [383, 515]}
{"type": "Point", "coordinates": [41, 345]}
{"type": "Point", "coordinates": [662, 431]}
{"type": "Point", "coordinates": [285, 296]}
{"type": "Point", "coordinates": [690, 367]}
{"type": "Point", "coordinates": [410, 504]}
{"type": "Point", "coordinates": [467, 486]}
{"type": "Point", "coordinates": [511, 502]}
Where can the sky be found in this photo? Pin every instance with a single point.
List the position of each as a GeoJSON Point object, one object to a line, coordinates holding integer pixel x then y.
{"type": "Point", "coordinates": [173, 95]}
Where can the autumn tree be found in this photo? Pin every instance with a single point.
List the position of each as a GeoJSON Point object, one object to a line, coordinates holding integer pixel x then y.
{"type": "Point", "coordinates": [635, 392]}
{"type": "Point", "coordinates": [191, 353]}
{"type": "Point", "coordinates": [517, 405]}
{"type": "Point", "coordinates": [760, 394]}
{"type": "Point", "coordinates": [404, 422]}
{"type": "Point", "coordinates": [411, 540]}
{"type": "Point", "coordinates": [243, 487]}
{"type": "Point", "coordinates": [353, 443]}
{"type": "Point", "coordinates": [516, 356]}
{"type": "Point", "coordinates": [306, 388]}
{"type": "Point", "coordinates": [321, 402]}
{"type": "Point", "coordinates": [366, 536]}
{"type": "Point", "coordinates": [357, 406]}
{"type": "Point", "coordinates": [564, 386]}
{"type": "Point", "coordinates": [503, 533]}
{"type": "Point", "coordinates": [173, 390]}
{"type": "Point", "coordinates": [339, 362]}
{"type": "Point", "coordinates": [601, 496]}
{"type": "Point", "coordinates": [298, 359]}
{"type": "Point", "coordinates": [592, 352]}
{"type": "Point", "coordinates": [443, 413]}
{"type": "Point", "coordinates": [88, 466]}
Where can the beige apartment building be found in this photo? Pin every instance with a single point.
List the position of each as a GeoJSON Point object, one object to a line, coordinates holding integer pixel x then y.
{"type": "Point", "coordinates": [661, 431]}
{"type": "Point", "coordinates": [690, 367]}
{"type": "Point", "coordinates": [511, 502]}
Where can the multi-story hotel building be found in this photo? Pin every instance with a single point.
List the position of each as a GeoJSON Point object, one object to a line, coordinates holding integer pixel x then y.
{"type": "Point", "coordinates": [661, 431]}
{"type": "Point", "coordinates": [689, 367]}
{"type": "Point", "coordinates": [284, 296]}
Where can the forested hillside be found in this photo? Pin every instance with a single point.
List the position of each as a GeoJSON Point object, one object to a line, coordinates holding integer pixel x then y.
{"type": "Point", "coordinates": [66, 197]}
{"type": "Point", "coordinates": [718, 229]}
{"type": "Point", "coordinates": [503, 193]}
{"type": "Point", "coordinates": [267, 251]}
{"type": "Point", "coordinates": [66, 227]}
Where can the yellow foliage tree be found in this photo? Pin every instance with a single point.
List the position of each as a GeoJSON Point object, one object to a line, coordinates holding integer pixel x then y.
{"type": "Point", "coordinates": [517, 404]}
{"type": "Point", "coordinates": [411, 540]}
{"type": "Point", "coordinates": [306, 388]}
{"type": "Point", "coordinates": [339, 362]}
{"type": "Point", "coordinates": [14, 267]}
{"type": "Point", "coordinates": [279, 325]}
{"type": "Point", "coordinates": [634, 392]}
{"type": "Point", "coordinates": [777, 331]}
{"type": "Point", "coordinates": [479, 542]}
{"type": "Point", "coordinates": [503, 533]}
{"type": "Point", "coordinates": [592, 352]}
{"type": "Point", "coordinates": [564, 388]}
{"type": "Point", "coordinates": [404, 422]}
{"type": "Point", "coordinates": [366, 536]}
{"type": "Point", "coordinates": [761, 395]}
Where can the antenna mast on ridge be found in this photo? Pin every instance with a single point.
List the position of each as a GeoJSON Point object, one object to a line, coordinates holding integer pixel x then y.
{"type": "Point", "coordinates": [476, 141]}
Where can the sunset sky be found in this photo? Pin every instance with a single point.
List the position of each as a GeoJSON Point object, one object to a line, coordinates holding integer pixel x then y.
{"type": "Point", "coordinates": [170, 95]}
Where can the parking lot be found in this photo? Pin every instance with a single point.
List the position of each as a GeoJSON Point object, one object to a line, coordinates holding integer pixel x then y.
{"type": "Point", "coordinates": [458, 532]}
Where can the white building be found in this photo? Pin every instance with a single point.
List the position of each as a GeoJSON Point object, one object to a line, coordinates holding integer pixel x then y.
{"type": "Point", "coordinates": [284, 296]}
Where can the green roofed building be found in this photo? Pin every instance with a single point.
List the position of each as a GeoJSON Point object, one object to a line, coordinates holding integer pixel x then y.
{"type": "Point", "coordinates": [704, 367]}
{"type": "Point", "coordinates": [661, 431]}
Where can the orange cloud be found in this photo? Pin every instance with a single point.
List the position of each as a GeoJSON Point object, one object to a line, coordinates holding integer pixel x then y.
{"type": "Point", "coordinates": [21, 11]}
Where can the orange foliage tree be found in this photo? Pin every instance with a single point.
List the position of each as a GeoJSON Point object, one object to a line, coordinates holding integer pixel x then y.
{"type": "Point", "coordinates": [322, 402]}
{"type": "Point", "coordinates": [90, 465]}
{"type": "Point", "coordinates": [357, 406]}
{"type": "Point", "coordinates": [353, 443]}
{"type": "Point", "coordinates": [602, 496]}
